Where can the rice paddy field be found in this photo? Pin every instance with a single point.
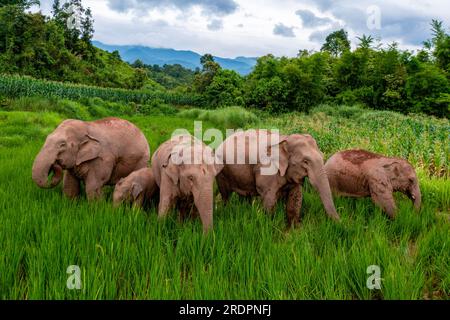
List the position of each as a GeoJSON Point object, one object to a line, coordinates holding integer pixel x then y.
{"type": "Point", "coordinates": [127, 253]}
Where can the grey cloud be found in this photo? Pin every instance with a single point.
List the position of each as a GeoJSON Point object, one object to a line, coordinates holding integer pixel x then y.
{"type": "Point", "coordinates": [398, 21]}
{"type": "Point", "coordinates": [283, 30]}
{"type": "Point", "coordinates": [310, 20]}
{"type": "Point", "coordinates": [215, 25]}
{"type": "Point", "coordinates": [320, 35]}
{"type": "Point", "coordinates": [210, 7]}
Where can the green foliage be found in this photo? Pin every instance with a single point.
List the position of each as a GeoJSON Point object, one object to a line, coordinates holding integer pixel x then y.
{"type": "Point", "coordinates": [225, 89]}
{"type": "Point", "coordinates": [337, 43]}
{"type": "Point", "coordinates": [41, 47]}
{"type": "Point", "coordinates": [227, 118]}
{"type": "Point", "coordinates": [380, 78]}
{"type": "Point", "coordinates": [427, 90]}
{"type": "Point", "coordinates": [15, 86]}
{"type": "Point", "coordinates": [281, 84]}
{"type": "Point", "coordinates": [168, 76]}
{"type": "Point", "coordinates": [23, 4]}
{"type": "Point", "coordinates": [87, 108]}
{"type": "Point", "coordinates": [157, 108]}
{"type": "Point", "coordinates": [204, 78]}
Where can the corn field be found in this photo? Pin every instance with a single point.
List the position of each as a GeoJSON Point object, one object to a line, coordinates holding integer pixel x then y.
{"type": "Point", "coordinates": [22, 86]}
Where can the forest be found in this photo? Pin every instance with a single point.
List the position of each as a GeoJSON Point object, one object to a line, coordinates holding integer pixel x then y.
{"type": "Point", "coordinates": [372, 74]}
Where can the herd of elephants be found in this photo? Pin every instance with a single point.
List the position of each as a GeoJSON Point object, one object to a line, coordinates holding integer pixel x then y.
{"type": "Point", "coordinates": [115, 152]}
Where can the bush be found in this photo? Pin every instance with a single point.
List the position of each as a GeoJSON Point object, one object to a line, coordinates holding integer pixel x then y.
{"type": "Point", "coordinates": [229, 118]}
{"type": "Point", "coordinates": [344, 111]}
{"type": "Point", "coordinates": [157, 108]}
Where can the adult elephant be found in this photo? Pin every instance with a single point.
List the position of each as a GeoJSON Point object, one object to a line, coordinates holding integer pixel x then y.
{"type": "Point", "coordinates": [99, 153]}
{"type": "Point", "coordinates": [184, 170]}
{"type": "Point", "coordinates": [292, 158]}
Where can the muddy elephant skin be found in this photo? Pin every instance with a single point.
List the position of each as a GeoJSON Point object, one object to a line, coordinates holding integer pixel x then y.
{"type": "Point", "coordinates": [359, 173]}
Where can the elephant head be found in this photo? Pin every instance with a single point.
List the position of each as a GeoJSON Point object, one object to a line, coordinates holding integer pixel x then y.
{"type": "Point", "coordinates": [68, 146]}
{"type": "Point", "coordinates": [136, 188]}
{"type": "Point", "coordinates": [127, 190]}
{"type": "Point", "coordinates": [300, 157]}
{"type": "Point", "coordinates": [404, 179]}
{"type": "Point", "coordinates": [195, 178]}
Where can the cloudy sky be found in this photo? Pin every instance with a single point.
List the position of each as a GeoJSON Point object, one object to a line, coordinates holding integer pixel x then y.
{"type": "Point", "coordinates": [231, 28]}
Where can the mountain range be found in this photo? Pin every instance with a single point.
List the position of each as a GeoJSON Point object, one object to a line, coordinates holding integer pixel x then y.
{"type": "Point", "coordinates": [188, 59]}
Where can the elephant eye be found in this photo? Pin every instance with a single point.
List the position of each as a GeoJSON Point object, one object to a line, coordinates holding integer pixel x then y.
{"type": "Point", "coordinates": [306, 162]}
{"type": "Point", "coordinates": [191, 178]}
{"type": "Point", "coordinates": [63, 144]}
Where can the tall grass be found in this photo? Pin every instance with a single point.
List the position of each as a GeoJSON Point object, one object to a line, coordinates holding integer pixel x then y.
{"type": "Point", "coordinates": [128, 254]}
{"type": "Point", "coordinates": [228, 118]}
{"type": "Point", "coordinates": [22, 86]}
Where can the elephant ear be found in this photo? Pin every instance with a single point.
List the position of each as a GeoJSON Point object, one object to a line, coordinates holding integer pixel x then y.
{"type": "Point", "coordinates": [393, 169]}
{"type": "Point", "coordinates": [171, 169]}
{"type": "Point", "coordinates": [89, 150]}
{"type": "Point", "coordinates": [136, 190]}
{"type": "Point", "coordinates": [282, 158]}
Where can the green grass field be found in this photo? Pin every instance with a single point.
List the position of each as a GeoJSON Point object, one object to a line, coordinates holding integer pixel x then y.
{"type": "Point", "coordinates": [128, 254]}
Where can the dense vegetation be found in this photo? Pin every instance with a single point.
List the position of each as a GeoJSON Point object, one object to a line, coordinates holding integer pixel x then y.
{"type": "Point", "coordinates": [168, 76]}
{"type": "Point", "coordinates": [51, 48]}
{"type": "Point", "coordinates": [127, 254]}
{"type": "Point", "coordinates": [378, 77]}
{"type": "Point", "coordinates": [375, 75]}
{"type": "Point", "coordinates": [19, 86]}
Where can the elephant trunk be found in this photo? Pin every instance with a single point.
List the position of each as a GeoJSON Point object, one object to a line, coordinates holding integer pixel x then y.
{"type": "Point", "coordinates": [319, 181]}
{"type": "Point", "coordinates": [416, 196]}
{"type": "Point", "coordinates": [204, 203]}
{"type": "Point", "coordinates": [44, 165]}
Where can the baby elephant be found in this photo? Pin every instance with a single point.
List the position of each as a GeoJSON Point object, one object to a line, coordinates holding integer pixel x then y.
{"type": "Point", "coordinates": [359, 173]}
{"type": "Point", "coordinates": [185, 170]}
{"type": "Point", "coordinates": [138, 188]}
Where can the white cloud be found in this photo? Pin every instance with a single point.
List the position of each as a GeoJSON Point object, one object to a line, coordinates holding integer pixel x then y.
{"type": "Point", "coordinates": [232, 28]}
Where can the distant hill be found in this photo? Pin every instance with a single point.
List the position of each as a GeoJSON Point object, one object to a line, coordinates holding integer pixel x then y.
{"type": "Point", "coordinates": [187, 59]}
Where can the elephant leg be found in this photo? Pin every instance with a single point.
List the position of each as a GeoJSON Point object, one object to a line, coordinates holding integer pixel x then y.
{"type": "Point", "coordinates": [269, 190]}
{"type": "Point", "coordinates": [138, 203]}
{"type": "Point", "coordinates": [224, 190]}
{"type": "Point", "coordinates": [167, 198]}
{"type": "Point", "coordinates": [270, 199]}
{"type": "Point", "coordinates": [99, 174]}
{"type": "Point", "coordinates": [385, 201]}
{"type": "Point", "coordinates": [71, 185]}
{"type": "Point", "coordinates": [166, 203]}
{"type": "Point", "coordinates": [184, 208]}
{"type": "Point", "coordinates": [294, 205]}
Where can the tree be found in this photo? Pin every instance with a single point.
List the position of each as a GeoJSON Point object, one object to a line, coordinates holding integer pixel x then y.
{"type": "Point", "coordinates": [24, 4]}
{"type": "Point", "coordinates": [439, 45]}
{"type": "Point", "coordinates": [209, 70]}
{"type": "Point", "coordinates": [138, 64]}
{"type": "Point", "coordinates": [225, 89]}
{"type": "Point", "coordinates": [206, 58]}
{"type": "Point", "coordinates": [337, 43]}
{"type": "Point", "coordinates": [365, 42]}
{"type": "Point", "coordinates": [428, 90]}
{"type": "Point", "coordinates": [87, 26]}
